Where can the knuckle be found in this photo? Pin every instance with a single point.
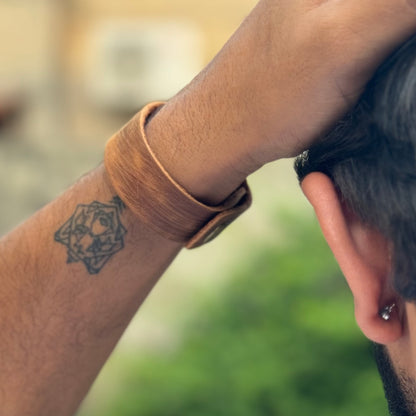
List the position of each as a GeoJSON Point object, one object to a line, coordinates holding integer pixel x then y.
{"type": "Point", "coordinates": [411, 4]}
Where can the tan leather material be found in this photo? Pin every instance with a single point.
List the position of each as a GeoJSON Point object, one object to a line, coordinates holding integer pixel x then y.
{"type": "Point", "coordinates": [221, 221]}
{"type": "Point", "coordinates": [152, 194]}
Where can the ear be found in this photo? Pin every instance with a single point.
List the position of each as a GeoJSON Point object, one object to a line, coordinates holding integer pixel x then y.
{"type": "Point", "coordinates": [363, 256]}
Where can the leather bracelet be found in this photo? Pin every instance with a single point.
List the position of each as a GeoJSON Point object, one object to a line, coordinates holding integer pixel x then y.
{"type": "Point", "coordinates": [156, 198]}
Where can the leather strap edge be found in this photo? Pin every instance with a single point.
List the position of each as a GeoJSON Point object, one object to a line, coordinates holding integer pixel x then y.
{"type": "Point", "coordinates": [155, 197]}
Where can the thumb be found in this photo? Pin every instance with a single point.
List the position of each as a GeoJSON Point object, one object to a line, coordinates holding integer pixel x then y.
{"type": "Point", "coordinates": [384, 24]}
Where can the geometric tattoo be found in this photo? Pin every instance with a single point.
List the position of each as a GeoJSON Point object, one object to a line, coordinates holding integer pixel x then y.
{"type": "Point", "coordinates": [93, 234]}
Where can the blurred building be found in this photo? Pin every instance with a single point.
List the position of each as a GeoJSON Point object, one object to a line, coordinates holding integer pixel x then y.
{"type": "Point", "coordinates": [78, 68]}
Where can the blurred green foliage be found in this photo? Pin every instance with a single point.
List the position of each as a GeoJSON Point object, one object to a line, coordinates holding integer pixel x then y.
{"type": "Point", "coordinates": [279, 339]}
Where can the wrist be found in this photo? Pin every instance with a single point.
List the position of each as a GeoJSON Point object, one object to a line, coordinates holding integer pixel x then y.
{"type": "Point", "coordinates": [189, 145]}
{"type": "Point", "coordinates": [156, 198]}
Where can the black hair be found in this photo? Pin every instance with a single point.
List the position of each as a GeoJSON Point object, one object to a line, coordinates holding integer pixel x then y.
{"type": "Point", "coordinates": [370, 156]}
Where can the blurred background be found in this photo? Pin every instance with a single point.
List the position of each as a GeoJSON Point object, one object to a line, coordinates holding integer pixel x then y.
{"type": "Point", "coordinates": [259, 322]}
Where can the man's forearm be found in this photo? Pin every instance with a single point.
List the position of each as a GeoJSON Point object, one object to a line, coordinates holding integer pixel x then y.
{"type": "Point", "coordinates": [71, 278]}
{"type": "Point", "coordinates": [73, 275]}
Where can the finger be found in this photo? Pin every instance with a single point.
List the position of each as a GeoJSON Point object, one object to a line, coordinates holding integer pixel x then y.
{"type": "Point", "coordinates": [369, 30]}
{"type": "Point", "coordinates": [391, 21]}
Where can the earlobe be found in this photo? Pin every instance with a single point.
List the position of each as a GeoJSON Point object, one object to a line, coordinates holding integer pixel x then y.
{"type": "Point", "coordinates": [362, 254]}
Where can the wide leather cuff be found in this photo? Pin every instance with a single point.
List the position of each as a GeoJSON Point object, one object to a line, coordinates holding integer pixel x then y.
{"type": "Point", "coordinates": [156, 198]}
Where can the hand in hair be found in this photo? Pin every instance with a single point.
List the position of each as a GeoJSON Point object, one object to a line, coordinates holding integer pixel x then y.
{"type": "Point", "coordinates": [288, 73]}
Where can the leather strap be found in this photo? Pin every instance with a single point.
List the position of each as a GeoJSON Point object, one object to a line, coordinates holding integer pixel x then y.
{"type": "Point", "coordinates": [153, 195]}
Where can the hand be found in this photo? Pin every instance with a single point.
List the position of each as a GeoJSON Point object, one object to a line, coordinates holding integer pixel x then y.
{"type": "Point", "coordinates": [288, 73]}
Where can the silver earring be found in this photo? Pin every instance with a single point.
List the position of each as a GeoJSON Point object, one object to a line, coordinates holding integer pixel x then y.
{"type": "Point", "coordinates": [385, 313]}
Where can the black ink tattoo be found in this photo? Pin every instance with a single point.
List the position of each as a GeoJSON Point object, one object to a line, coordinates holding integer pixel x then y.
{"type": "Point", "coordinates": [93, 234]}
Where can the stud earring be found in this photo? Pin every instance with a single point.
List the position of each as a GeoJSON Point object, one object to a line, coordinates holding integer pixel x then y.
{"type": "Point", "coordinates": [385, 313]}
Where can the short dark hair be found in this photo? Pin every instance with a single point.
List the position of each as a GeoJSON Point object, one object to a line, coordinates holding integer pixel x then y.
{"type": "Point", "coordinates": [370, 155]}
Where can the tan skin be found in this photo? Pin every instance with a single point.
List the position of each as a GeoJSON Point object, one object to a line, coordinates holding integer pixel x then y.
{"type": "Point", "coordinates": [290, 70]}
